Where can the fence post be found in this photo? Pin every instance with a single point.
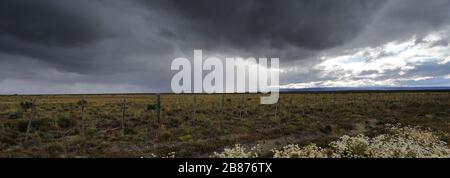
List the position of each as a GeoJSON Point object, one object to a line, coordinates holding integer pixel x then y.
{"type": "Point", "coordinates": [82, 116]}
{"type": "Point", "coordinates": [277, 107]}
{"type": "Point", "coordinates": [304, 103]}
{"type": "Point", "coordinates": [241, 105]}
{"type": "Point", "coordinates": [194, 107]}
{"type": "Point", "coordinates": [322, 102]}
{"type": "Point", "coordinates": [123, 107]}
{"type": "Point", "coordinates": [334, 101]}
{"type": "Point", "coordinates": [158, 107]}
{"type": "Point", "coordinates": [290, 106]}
{"type": "Point", "coordinates": [222, 103]}
{"type": "Point", "coordinates": [30, 118]}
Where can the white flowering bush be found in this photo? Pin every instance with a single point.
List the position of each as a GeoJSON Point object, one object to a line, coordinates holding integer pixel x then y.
{"type": "Point", "coordinates": [238, 151]}
{"type": "Point", "coordinates": [408, 142]}
{"type": "Point", "coordinates": [398, 142]}
{"type": "Point", "coordinates": [152, 155]}
{"type": "Point", "coordinates": [294, 151]}
{"type": "Point", "coordinates": [351, 147]}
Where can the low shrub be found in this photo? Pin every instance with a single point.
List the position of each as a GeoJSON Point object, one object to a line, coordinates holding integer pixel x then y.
{"type": "Point", "coordinates": [294, 151]}
{"type": "Point", "coordinates": [14, 115]}
{"type": "Point", "coordinates": [238, 151]}
{"type": "Point", "coordinates": [64, 122]}
{"type": "Point", "coordinates": [398, 142]}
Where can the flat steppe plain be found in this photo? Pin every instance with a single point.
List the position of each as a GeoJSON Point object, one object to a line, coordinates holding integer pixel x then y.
{"type": "Point", "coordinates": [198, 125]}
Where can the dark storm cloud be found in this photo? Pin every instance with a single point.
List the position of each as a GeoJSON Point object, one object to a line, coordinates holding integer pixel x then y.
{"type": "Point", "coordinates": [87, 37]}
{"type": "Point", "coordinates": [49, 22]}
{"type": "Point", "coordinates": [51, 31]}
{"type": "Point", "coordinates": [116, 45]}
{"type": "Point", "coordinates": [256, 24]}
{"type": "Point", "coordinates": [402, 19]}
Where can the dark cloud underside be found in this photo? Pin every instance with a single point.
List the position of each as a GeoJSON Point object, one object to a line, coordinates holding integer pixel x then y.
{"type": "Point", "coordinates": [47, 22]}
{"type": "Point", "coordinates": [312, 25]}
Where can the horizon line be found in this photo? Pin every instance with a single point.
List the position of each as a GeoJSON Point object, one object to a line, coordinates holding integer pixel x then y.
{"type": "Point", "coordinates": [282, 90]}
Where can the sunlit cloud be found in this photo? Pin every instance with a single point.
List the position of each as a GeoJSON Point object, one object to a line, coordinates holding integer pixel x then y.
{"type": "Point", "coordinates": [386, 65]}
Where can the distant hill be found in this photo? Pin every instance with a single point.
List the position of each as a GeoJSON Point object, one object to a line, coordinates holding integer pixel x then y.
{"type": "Point", "coordinates": [349, 89]}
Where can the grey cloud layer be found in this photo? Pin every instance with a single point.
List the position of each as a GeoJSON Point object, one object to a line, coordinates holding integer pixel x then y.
{"type": "Point", "coordinates": [125, 44]}
{"type": "Point", "coordinates": [312, 25]}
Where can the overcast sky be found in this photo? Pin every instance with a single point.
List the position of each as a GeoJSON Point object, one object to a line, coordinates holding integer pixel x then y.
{"type": "Point", "coordinates": [96, 46]}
